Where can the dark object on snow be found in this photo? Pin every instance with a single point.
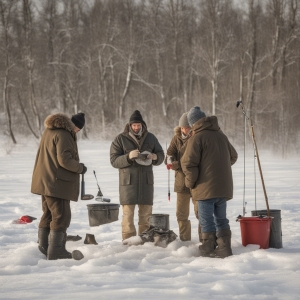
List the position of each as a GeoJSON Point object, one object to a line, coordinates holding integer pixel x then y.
{"type": "Point", "coordinates": [83, 195]}
{"type": "Point", "coordinates": [90, 239]}
{"type": "Point", "coordinates": [275, 233]}
{"type": "Point", "coordinates": [43, 234]}
{"type": "Point", "coordinates": [57, 247]}
{"type": "Point", "coordinates": [73, 238]}
{"type": "Point", "coordinates": [160, 220]}
{"type": "Point", "coordinates": [159, 236]}
{"type": "Point", "coordinates": [102, 213]}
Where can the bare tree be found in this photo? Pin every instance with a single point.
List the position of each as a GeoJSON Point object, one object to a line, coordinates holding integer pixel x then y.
{"type": "Point", "coordinates": [5, 15]}
{"type": "Point", "coordinates": [29, 59]}
{"type": "Point", "coordinates": [214, 44]}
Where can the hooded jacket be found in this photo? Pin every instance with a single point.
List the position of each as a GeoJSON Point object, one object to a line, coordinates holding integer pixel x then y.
{"type": "Point", "coordinates": [176, 151]}
{"type": "Point", "coordinates": [207, 161]}
{"type": "Point", "coordinates": [135, 180]}
{"type": "Point", "coordinates": [56, 170]}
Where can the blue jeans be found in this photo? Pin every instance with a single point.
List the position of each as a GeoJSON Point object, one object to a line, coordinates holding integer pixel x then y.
{"type": "Point", "coordinates": [212, 215]}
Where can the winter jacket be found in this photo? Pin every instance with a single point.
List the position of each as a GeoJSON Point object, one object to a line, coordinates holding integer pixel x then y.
{"type": "Point", "coordinates": [56, 170]}
{"type": "Point", "coordinates": [176, 151]}
{"type": "Point", "coordinates": [135, 180]}
{"type": "Point", "coordinates": [207, 161]}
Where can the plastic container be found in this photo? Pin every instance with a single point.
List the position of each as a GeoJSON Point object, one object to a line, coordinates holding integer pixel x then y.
{"type": "Point", "coordinates": [276, 233]}
{"type": "Point", "coordinates": [160, 220]}
{"type": "Point", "coordinates": [255, 230]}
{"type": "Point", "coordinates": [102, 213]}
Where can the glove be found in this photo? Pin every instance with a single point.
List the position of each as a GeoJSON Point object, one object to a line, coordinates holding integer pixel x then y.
{"type": "Point", "coordinates": [152, 156]}
{"type": "Point", "coordinates": [170, 159]}
{"type": "Point", "coordinates": [175, 165]}
{"type": "Point", "coordinates": [169, 166]}
{"type": "Point", "coordinates": [84, 169]}
{"type": "Point", "coordinates": [134, 154]}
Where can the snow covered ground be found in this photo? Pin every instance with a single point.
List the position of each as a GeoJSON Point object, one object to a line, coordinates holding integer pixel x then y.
{"type": "Point", "coordinates": [111, 270]}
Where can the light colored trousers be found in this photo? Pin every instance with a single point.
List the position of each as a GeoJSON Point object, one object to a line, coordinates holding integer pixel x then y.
{"type": "Point", "coordinates": [182, 214]}
{"type": "Point", "coordinates": [128, 228]}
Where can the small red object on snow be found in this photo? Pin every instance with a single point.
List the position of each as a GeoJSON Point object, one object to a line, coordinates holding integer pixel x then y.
{"type": "Point", "coordinates": [24, 220]}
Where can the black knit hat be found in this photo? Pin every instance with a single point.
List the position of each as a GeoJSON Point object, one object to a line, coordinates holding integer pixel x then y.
{"type": "Point", "coordinates": [78, 120]}
{"type": "Point", "coordinates": [136, 117]}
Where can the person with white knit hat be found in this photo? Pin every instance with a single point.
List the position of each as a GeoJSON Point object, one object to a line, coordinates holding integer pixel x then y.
{"type": "Point", "coordinates": [206, 164]}
{"type": "Point", "coordinates": [174, 153]}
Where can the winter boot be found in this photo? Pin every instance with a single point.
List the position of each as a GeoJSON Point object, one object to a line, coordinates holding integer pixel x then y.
{"type": "Point", "coordinates": [208, 243]}
{"type": "Point", "coordinates": [90, 239]}
{"type": "Point", "coordinates": [57, 247]}
{"type": "Point", "coordinates": [199, 234]}
{"type": "Point", "coordinates": [224, 244]}
{"type": "Point", "coordinates": [43, 234]}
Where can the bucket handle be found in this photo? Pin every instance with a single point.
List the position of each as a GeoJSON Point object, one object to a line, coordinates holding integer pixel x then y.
{"type": "Point", "coordinates": [259, 216]}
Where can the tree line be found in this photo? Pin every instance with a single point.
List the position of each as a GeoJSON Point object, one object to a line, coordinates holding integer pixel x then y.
{"type": "Point", "coordinates": [107, 58]}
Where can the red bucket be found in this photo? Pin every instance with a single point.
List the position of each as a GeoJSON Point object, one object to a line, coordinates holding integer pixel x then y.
{"type": "Point", "coordinates": [255, 230]}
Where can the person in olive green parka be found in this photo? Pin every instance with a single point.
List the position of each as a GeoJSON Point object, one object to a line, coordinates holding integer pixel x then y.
{"type": "Point", "coordinates": [56, 178]}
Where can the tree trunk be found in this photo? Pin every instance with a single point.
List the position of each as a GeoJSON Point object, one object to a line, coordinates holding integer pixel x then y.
{"type": "Point", "coordinates": [29, 60]}
{"type": "Point", "coordinates": [127, 86]}
{"type": "Point", "coordinates": [26, 117]}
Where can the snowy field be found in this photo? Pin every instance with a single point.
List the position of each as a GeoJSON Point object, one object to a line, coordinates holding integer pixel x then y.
{"type": "Point", "coordinates": [111, 270]}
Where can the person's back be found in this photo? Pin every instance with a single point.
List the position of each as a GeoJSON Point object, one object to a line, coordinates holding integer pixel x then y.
{"type": "Point", "coordinates": [211, 147]}
{"type": "Point", "coordinates": [207, 166]}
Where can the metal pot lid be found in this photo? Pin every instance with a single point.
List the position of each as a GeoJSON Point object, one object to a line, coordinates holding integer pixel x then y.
{"type": "Point", "coordinates": [143, 160]}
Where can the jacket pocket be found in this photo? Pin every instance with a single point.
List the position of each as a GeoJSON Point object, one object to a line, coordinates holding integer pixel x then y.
{"type": "Point", "coordinates": [65, 175]}
{"type": "Point", "coordinates": [124, 178]}
{"type": "Point", "coordinates": [150, 178]}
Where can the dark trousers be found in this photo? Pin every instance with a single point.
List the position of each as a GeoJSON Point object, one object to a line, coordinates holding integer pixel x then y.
{"type": "Point", "coordinates": [56, 214]}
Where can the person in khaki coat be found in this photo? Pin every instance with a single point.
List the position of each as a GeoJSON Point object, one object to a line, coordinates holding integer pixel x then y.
{"type": "Point", "coordinates": [56, 178]}
{"type": "Point", "coordinates": [135, 172]}
{"type": "Point", "coordinates": [174, 153]}
{"type": "Point", "coordinates": [206, 164]}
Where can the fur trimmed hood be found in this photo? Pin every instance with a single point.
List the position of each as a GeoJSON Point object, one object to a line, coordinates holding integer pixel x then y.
{"type": "Point", "coordinates": [177, 130]}
{"type": "Point", "coordinates": [59, 120]}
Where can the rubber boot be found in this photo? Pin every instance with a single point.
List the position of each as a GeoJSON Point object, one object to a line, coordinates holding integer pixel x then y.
{"type": "Point", "coordinates": [43, 234]}
{"type": "Point", "coordinates": [57, 247]}
{"type": "Point", "coordinates": [90, 239]}
{"type": "Point", "coordinates": [224, 244]}
{"type": "Point", "coordinates": [208, 243]}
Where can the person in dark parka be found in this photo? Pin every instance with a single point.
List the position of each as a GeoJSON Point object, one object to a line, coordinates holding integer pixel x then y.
{"type": "Point", "coordinates": [206, 164]}
{"type": "Point", "coordinates": [56, 178]}
{"type": "Point", "coordinates": [136, 182]}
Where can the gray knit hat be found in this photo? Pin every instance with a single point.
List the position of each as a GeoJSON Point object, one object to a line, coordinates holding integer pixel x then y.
{"type": "Point", "coordinates": [194, 115]}
{"type": "Point", "coordinates": [183, 121]}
